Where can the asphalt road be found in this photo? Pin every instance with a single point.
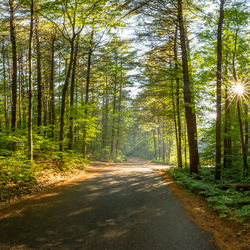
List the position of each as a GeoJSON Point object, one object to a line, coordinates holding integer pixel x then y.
{"type": "Point", "coordinates": [124, 206]}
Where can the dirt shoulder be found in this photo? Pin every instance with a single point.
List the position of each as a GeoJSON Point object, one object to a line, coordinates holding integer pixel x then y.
{"type": "Point", "coordinates": [229, 235]}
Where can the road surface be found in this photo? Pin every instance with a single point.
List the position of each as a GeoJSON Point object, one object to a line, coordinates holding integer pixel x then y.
{"type": "Point", "coordinates": [123, 206]}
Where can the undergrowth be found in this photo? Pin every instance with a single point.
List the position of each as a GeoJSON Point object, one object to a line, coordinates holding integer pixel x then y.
{"type": "Point", "coordinates": [18, 175]}
{"type": "Point", "coordinates": [221, 196]}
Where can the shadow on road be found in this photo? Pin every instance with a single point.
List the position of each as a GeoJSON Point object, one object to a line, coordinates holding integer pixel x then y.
{"type": "Point", "coordinates": [120, 206]}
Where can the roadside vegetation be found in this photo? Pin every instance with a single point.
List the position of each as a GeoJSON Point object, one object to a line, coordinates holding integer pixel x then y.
{"type": "Point", "coordinates": [229, 199]}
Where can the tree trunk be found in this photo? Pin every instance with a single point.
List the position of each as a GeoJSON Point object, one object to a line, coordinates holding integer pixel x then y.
{"type": "Point", "coordinates": [105, 115]}
{"type": "Point", "coordinates": [227, 138]}
{"type": "Point", "coordinates": [72, 88]}
{"type": "Point", "coordinates": [218, 93]}
{"type": "Point", "coordinates": [30, 125]}
{"type": "Point", "coordinates": [155, 144]}
{"type": "Point", "coordinates": [39, 76]}
{"type": "Point", "coordinates": [163, 145]}
{"type": "Point", "coordinates": [87, 91]}
{"type": "Point", "coordinates": [244, 153]}
{"type": "Point", "coordinates": [113, 118]}
{"type": "Point", "coordinates": [64, 95]}
{"type": "Point", "coordinates": [159, 140]}
{"type": "Point", "coordinates": [14, 65]}
{"type": "Point", "coordinates": [5, 89]}
{"type": "Point", "coordinates": [175, 126]}
{"type": "Point", "coordinates": [52, 94]}
{"type": "Point", "coordinates": [246, 137]}
{"type": "Point", "coordinates": [189, 105]}
{"type": "Point", "coordinates": [21, 81]}
{"type": "Point", "coordinates": [117, 146]}
{"type": "Point", "coordinates": [179, 149]}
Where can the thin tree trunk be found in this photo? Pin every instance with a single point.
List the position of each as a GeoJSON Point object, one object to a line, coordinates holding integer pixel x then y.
{"type": "Point", "coordinates": [21, 81]}
{"type": "Point", "coordinates": [14, 65]}
{"type": "Point", "coordinates": [64, 95]}
{"type": "Point", "coordinates": [114, 118]}
{"type": "Point", "coordinates": [175, 126]}
{"type": "Point", "coordinates": [105, 116]}
{"type": "Point", "coordinates": [87, 91]}
{"type": "Point", "coordinates": [155, 144]}
{"type": "Point", "coordinates": [179, 149]}
{"type": "Point", "coordinates": [227, 138]}
{"type": "Point", "coordinates": [5, 89]}
{"type": "Point", "coordinates": [189, 105]}
{"type": "Point", "coordinates": [246, 137]}
{"type": "Point", "coordinates": [159, 140]}
{"type": "Point", "coordinates": [244, 153]}
{"type": "Point", "coordinates": [30, 125]}
{"type": "Point", "coordinates": [163, 146]}
{"type": "Point", "coordinates": [218, 93]}
{"type": "Point", "coordinates": [52, 94]}
{"type": "Point", "coordinates": [39, 76]}
{"type": "Point", "coordinates": [119, 116]}
{"type": "Point", "coordinates": [45, 102]}
{"type": "Point", "coordinates": [72, 88]}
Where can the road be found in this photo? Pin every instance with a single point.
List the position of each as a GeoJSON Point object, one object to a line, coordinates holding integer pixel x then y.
{"type": "Point", "coordinates": [123, 206]}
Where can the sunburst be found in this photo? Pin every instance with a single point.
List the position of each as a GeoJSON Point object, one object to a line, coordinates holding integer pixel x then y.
{"type": "Point", "coordinates": [239, 91]}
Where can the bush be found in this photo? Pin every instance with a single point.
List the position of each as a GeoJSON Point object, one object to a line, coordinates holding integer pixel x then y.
{"type": "Point", "coordinates": [220, 195]}
{"type": "Point", "coordinates": [16, 176]}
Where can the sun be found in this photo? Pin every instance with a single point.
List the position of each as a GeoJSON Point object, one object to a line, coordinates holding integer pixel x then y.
{"type": "Point", "coordinates": [238, 89]}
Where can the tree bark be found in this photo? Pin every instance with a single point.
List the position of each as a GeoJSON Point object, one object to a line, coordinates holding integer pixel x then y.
{"type": "Point", "coordinates": [244, 153]}
{"type": "Point", "coordinates": [155, 144]}
{"type": "Point", "coordinates": [72, 88]}
{"type": "Point", "coordinates": [5, 89]}
{"type": "Point", "coordinates": [64, 94]}
{"type": "Point", "coordinates": [246, 136]}
{"type": "Point", "coordinates": [87, 91]}
{"type": "Point", "coordinates": [105, 115]}
{"type": "Point", "coordinates": [52, 94]}
{"type": "Point", "coordinates": [218, 93]}
{"type": "Point", "coordinates": [30, 125]}
{"type": "Point", "coordinates": [113, 116]}
{"type": "Point", "coordinates": [14, 65]}
{"type": "Point", "coordinates": [189, 105]}
{"type": "Point", "coordinates": [39, 76]}
{"type": "Point", "coordinates": [179, 148]}
{"type": "Point", "coordinates": [21, 81]}
{"type": "Point", "coordinates": [117, 146]}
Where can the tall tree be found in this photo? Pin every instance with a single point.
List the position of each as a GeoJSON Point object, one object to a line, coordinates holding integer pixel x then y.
{"type": "Point", "coordinates": [89, 63]}
{"type": "Point", "coordinates": [30, 125]}
{"type": "Point", "coordinates": [218, 92]}
{"type": "Point", "coordinates": [14, 64]}
{"type": "Point", "coordinates": [39, 74]}
{"type": "Point", "coordinates": [189, 104]}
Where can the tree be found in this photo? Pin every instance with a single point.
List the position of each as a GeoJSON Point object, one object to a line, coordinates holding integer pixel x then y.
{"type": "Point", "coordinates": [14, 64]}
{"type": "Point", "coordinates": [189, 105]}
{"type": "Point", "coordinates": [218, 92]}
{"type": "Point", "coordinates": [30, 123]}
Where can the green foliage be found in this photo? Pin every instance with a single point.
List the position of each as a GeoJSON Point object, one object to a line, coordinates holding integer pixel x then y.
{"type": "Point", "coordinates": [12, 141]}
{"type": "Point", "coordinates": [222, 196]}
{"type": "Point", "coordinates": [17, 176]}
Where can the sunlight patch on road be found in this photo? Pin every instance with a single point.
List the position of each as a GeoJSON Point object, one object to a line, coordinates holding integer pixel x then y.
{"type": "Point", "coordinates": [160, 167]}
{"type": "Point", "coordinates": [83, 210]}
